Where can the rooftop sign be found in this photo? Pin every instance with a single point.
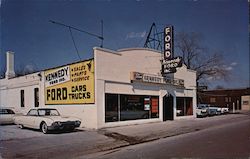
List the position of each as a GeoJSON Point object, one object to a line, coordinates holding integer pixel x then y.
{"type": "Point", "coordinates": [169, 63]}
{"type": "Point", "coordinates": [168, 43]}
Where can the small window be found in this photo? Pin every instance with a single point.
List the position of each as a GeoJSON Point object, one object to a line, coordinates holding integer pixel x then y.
{"type": "Point", "coordinates": [36, 97]}
{"type": "Point", "coordinates": [226, 99]}
{"type": "Point", "coordinates": [212, 100]}
{"type": "Point", "coordinates": [22, 98]}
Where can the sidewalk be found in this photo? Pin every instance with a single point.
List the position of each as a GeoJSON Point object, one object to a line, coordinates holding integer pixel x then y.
{"type": "Point", "coordinates": [135, 134]}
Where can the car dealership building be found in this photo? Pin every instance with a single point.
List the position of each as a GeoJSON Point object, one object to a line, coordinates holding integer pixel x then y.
{"type": "Point", "coordinates": [113, 88]}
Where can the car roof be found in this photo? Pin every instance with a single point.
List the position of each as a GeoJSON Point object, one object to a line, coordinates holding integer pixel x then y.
{"type": "Point", "coordinates": [43, 109]}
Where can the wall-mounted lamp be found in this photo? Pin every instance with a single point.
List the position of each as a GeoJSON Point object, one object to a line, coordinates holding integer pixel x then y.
{"type": "Point", "coordinates": [40, 76]}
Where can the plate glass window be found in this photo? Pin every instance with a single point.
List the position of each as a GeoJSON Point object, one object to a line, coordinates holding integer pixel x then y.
{"type": "Point", "coordinates": [120, 107]}
{"type": "Point", "coordinates": [184, 106]}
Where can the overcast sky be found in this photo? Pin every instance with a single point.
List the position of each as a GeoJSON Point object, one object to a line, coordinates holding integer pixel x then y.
{"type": "Point", "coordinates": [26, 30]}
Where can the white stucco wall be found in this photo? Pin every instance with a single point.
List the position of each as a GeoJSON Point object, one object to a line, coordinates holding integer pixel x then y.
{"type": "Point", "coordinates": [245, 102]}
{"type": "Point", "coordinates": [113, 76]}
{"type": "Point", "coordinates": [10, 89]}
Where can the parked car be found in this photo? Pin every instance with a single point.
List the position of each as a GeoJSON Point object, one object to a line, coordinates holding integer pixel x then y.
{"type": "Point", "coordinates": [46, 119]}
{"type": "Point", "coordinates": [214, 110]}
{"type": "Point", "coordinates": [224, 110]}
{"type": "Point", "coordinates": [6, 116]}
{"type": "Point", "coordinates": [202, 110]}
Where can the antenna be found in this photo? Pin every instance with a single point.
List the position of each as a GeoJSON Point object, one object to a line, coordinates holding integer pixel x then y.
{"type": "Point", "coordinates": [102, 33]}
{"type": "Point", "coordinates": [83, 31]}
{"type": "Point", "coordinates": [154, 39]}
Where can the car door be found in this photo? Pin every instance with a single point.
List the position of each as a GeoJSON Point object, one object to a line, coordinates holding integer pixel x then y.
{"type": "Point", "coordinates": [30, 118]}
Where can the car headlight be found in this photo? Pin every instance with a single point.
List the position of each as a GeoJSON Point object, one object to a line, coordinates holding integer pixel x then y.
{"type": "Point", "coordinates": [58, 123]}
{"type": "Point", "coordinates": [78, 122]}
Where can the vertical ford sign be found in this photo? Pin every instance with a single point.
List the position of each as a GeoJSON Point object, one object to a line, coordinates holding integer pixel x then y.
{"type": "Point", "coordinates": [168, 43]}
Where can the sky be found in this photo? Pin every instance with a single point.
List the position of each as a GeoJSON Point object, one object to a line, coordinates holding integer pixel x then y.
{"type": "Point", "coordinates": [39, 44]}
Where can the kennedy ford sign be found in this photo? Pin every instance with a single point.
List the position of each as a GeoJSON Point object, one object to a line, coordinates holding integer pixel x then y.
{"type": "Point", "coordinates": [169, 66]}
{"type": "Point", "coordinates": [149, 78]}
{"type": "Point", "coordinates": [168, 43]}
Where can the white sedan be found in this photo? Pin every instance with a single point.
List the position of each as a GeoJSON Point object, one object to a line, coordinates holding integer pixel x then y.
{"type": "Point", "coordinates": [46, 119]}
{"type": "Point", "coordinates": [6, 116]}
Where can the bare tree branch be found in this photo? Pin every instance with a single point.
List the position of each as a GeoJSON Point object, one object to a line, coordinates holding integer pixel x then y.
{"type": "Point", "coordinates": [199, 58]}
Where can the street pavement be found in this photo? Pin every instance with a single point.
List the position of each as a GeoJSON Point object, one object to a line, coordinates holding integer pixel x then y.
{"type": "Point", "coordinates": [26, 143]}
{"type": "Point", "coordinates": [231, 140]}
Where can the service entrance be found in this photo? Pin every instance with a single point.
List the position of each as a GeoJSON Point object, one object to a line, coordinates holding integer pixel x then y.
{"type": "Point", "coordinates": [168, 107]}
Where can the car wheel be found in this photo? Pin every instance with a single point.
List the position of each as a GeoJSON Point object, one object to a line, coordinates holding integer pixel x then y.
{"type": "Point", "coordinates": [44, 128]}
{"type": "Point", "coordinates": [20, 126]}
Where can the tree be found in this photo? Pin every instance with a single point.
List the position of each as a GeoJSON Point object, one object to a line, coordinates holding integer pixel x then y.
{"type": "Point", "coordinates": [20, 71]}
{"type": "Point", "coordinates": [2, 73]}
{"type": "Point", "coordinates": [208, 64]}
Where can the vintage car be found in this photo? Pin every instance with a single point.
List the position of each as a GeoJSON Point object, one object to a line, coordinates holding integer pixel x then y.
{"type": "Point", "coordinates": [6, 116]}
{"type": "Point", "coordinates": [214, 110]}
{"type": "Point", "coordinates": [46, 119]}
{"type": "Point", "coordinates": [202, 110]}
{"type": "Point", "coordinates": [224, 110]}
{"type": "Point", "coordinates": [211, 110]}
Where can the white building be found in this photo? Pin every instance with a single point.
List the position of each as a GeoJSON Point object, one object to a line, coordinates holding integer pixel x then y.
{"type": "Point", "coordinates": [114, 88]}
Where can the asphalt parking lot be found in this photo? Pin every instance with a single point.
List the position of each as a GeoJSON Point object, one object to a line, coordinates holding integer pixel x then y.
{"type": "Point", "coordinates": [19, 143]}
{"type": "Point", "coordinates": [12, 132]}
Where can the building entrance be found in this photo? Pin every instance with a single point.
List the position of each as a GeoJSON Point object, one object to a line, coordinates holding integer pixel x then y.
{"type": "Point", "coordinates": [168, 107]}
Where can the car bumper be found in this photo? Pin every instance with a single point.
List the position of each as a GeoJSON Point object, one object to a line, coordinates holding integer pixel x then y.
{"type": "Point", "coordinates": [64, 126]}
{"type": "Point", "coordinates": [202, 114]}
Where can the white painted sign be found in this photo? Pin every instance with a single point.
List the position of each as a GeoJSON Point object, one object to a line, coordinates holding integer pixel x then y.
{"type": "Point", "coordinates": [57, 76]}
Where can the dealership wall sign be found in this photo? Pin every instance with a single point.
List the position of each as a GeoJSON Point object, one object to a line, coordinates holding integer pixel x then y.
{"type": "Point", "coordinates": [168, 43]}
{"type": "Point", "coordinates": [169, 66]}
{"type": "Point", "coordinates": [72, 84]}
{"type": "Point", "coordinates": [148, 78]}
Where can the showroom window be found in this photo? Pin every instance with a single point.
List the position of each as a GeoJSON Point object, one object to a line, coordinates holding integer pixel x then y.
{"type": "Point", "coordinates": [184, 106]}
{"type": "Point", "coordinates": [130, 107]}
{"type": "Point", "coordinates": [111, 107]}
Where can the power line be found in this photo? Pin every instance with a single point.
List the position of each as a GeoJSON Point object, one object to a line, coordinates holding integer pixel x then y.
{"type": "Point", "coordinates": [74, 43]}
{"type": "Point", "coordinates": [74, 28]}
{"type": "Point", "coordinates": [68, 26]}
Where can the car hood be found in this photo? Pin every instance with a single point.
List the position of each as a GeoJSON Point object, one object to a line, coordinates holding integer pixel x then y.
{"type": "Point", "coordinates": [60, 118]}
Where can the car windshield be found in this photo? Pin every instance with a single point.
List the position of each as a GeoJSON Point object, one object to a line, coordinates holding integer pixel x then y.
{"type": "Point", "coordinates": [48, 112]}
{"type": "Point", "coordinates": [201, 106]}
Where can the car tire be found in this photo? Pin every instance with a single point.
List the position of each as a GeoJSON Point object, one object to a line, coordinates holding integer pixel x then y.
{"type": "Point", "coordinates": [44, 128]}
{"type": "Point", "coordinates": [20, 126]}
